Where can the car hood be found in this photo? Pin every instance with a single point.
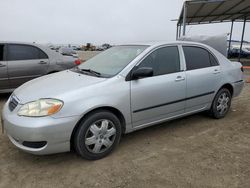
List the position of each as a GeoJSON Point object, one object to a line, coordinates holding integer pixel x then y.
{"type": "Point", "coordinates": [55, 85]}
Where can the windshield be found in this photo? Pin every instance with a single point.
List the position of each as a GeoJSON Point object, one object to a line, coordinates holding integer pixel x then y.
{"type": "Point", "coordinates": [113, 60]}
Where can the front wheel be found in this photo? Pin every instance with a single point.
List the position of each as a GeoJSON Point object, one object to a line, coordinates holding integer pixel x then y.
{"type": "Point", "coordinates": [221, 103]}
{"type": "Point", "coordinates": [97, 135]}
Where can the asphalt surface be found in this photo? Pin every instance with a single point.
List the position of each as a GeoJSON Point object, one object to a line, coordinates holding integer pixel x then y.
{"type": "Point", "coordinates": [195, 151]}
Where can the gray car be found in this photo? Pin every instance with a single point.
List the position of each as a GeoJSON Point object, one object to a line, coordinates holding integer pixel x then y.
{"type": "Point", "coordinates": [123, 89]}
{"type": "Point", "coordinates": [21, 62]}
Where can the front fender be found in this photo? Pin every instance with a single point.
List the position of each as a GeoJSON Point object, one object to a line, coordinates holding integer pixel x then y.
{"type": "Point", "coordinates": [115, 95]}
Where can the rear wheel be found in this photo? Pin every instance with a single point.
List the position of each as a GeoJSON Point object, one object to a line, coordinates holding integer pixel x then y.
{"type": "Point", "coordinates": [97, 135]}
{"type": "Point", "coordinates": [221, 103]}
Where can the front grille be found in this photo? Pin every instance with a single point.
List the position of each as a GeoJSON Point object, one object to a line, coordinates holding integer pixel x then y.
{"type": "Point", "coordinates": [13, 103]}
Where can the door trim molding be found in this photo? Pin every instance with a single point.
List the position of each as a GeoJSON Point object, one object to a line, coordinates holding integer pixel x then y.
{"type": "Point", "coordinates": [172, 102]}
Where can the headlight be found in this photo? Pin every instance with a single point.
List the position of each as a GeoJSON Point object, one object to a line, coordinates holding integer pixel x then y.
{"type": "Point", "coordinates": [39, 108]}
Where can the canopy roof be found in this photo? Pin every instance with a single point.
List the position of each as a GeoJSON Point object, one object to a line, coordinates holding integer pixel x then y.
{"type": "Point", "coordinates": [214, 11]}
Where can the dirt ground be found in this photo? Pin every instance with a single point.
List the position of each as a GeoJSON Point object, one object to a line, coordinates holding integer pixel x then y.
{"type": "Point", "coordinates": [85, 55]}
{"type": "Point", "coordinates": [194, 151]}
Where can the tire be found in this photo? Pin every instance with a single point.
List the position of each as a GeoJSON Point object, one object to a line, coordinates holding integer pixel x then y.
{"type": "Point", "coordinates": [97, 135]}
{"type": "Point", "coordinates": [221, 104]}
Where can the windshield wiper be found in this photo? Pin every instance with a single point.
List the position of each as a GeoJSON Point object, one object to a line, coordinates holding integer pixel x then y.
{"type": "Point", "coordinates": [89, 71]}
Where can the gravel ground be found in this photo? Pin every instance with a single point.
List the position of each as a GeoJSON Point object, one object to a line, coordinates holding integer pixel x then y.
{"type": "Point", "coordinates": [194, 151]}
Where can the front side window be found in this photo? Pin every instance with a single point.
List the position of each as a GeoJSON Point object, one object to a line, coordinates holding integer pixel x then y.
{"type": "Point", "coordinates": [165, 60]}
{"type": "Point", "coordinates": [24, 52]}
{"type": "Point", "coordinates": [197, 58]}
{"type": "Point", "coordinates": [113, 60]}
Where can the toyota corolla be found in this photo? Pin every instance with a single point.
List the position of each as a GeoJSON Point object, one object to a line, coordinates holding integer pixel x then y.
{"type": "Point", "coordinates": [125, 88]}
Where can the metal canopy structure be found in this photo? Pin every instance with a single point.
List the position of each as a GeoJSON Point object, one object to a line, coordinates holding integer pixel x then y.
{"type": "Point", "coordinates": [214, 11]}
{"type": "Point", "coordinates": [196, 12]}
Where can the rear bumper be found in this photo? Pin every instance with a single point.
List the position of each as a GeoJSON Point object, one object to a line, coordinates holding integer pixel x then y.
{"type": "Point", "coordinates": [54, 133]}
{"type": "Point", "coordinates": [238, 86]}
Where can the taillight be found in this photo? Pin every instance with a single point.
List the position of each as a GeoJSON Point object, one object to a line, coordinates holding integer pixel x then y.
{"type": "Point", "coordinates": [77, 62]}
{"type": "Point", "coordinates": [242, 69]}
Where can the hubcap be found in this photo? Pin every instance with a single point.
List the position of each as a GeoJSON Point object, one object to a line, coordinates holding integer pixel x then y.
{"type": "Point", "coordinates": [100, 136]}
{"type": "Point", "coordinates": [223, 103]}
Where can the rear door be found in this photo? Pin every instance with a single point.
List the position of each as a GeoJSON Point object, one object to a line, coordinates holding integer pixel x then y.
{"type": "Point", "coordinates": [4, 82]}
{"type": "Point", "coordinates": [162, 95]}
{"type": "Point", "coordinates": [203, 77]}
{"type": "Point", "coordinates": [25, 62]}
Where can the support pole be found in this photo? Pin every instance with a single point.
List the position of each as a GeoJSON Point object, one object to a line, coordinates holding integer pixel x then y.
{"type": "Point", "coordinates": [242, 39]}
{"type": "Point", "coordinates": [230, 40]}
{"type": "Point", "coordinates": [184, 18]}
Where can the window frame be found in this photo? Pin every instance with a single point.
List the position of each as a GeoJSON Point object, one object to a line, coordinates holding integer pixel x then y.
{"type": "Point", "coordinates": [182, 68]}
{"type": "Point", "coordinates": [29, 45]}
{"type": "Point", "coordinates": [208, 51]}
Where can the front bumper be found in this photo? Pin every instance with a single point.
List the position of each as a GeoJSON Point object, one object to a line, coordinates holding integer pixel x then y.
{"type": "Point", "coordinates": [55, 132]}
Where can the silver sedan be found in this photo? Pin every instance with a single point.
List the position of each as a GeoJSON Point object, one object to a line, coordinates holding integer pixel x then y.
{"type": "Point", "coordinates": [21, 62]}
{"type": "Point", "coordinates": [121, 90]}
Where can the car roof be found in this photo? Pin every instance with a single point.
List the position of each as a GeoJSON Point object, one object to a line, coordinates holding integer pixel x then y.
{"type": "Point", "coordinates": [24, 43]}
{"type": "Point", "coordinates": [16, 42]}
{"type": "Point", "coordinates": [160, 43]}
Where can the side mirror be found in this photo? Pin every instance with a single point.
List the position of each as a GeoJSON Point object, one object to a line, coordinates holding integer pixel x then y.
{"type": "Point", "coordinates": [142, 72]}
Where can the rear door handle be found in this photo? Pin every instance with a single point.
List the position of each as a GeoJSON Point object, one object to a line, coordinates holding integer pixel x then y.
{"type": "Point", "coordinates": [216, 71]}
{"type": "Point", "coordinates": [179, 78]}
{"type": "Point", "coordinates": [42, 62]}
{"type": "Point", "coordinates": [1, 65]}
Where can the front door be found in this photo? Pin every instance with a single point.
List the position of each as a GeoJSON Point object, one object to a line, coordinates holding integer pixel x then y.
{"type": "Point", "coordinates": [162, 95]}
{"type": "Point", "coordinates": [25, 62]}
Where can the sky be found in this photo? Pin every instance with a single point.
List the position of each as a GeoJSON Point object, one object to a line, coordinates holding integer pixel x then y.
{"type": "Point", "coordinates": [98, 21]}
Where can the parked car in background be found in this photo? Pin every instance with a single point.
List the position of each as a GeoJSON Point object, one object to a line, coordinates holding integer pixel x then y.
{"type": "Point", "coordinates": [121, 90]}
{"type": "Point", "coordinates": [103, 47]}
{"type": "Point", "coordinates": [66, 51]}
{"type": "Point", "coordinates": [21, 62]}
{"type": "Point", "coordinates": [54, 47]}
{"type": "Point", "coordinates": [77, 48]}
{"type": "Point", "coordinates": [235, 52]}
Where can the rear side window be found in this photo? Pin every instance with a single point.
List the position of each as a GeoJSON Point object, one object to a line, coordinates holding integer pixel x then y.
{"type": "Point", "coordinates": [24, 52]}
{"type": "Point", "coordinates": [1, 52]}
{"type": "Point", "coordinates": [163, 61]}
{"type": "Point", "coordinates": [197, 58]}
{"type": "Point", "coordinates": [42, 54]}
{"type": "Point", "coordinates": [213, 61]}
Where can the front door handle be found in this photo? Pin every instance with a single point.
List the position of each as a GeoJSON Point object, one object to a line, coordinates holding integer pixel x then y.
{"type": "Point", "coordinates": [179, 78]}
{"type": "Point", "coordinates": [42, 62]}
{"type": "Point", "coordinates": [1, 65]}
